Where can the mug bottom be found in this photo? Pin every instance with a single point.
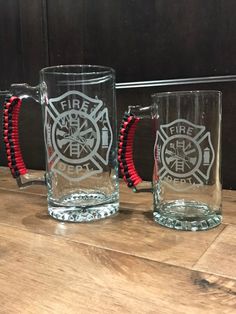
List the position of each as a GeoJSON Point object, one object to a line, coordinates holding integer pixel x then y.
{"type": "Point", "coordinates": [187, 215]}
{"type": "Point", "coordinates": [67, 211]}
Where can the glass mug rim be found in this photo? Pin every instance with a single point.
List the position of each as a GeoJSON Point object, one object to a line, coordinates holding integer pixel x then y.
{"type": "Point", "coordinates": [187, 93]}
{"type": "Point", "coordinates": [78, 70]}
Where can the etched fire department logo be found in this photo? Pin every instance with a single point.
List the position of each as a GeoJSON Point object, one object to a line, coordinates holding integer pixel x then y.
{"type": "Point", "coordinates": [78, 135]}
{"type": "Point", "coordinates": [184, 153]}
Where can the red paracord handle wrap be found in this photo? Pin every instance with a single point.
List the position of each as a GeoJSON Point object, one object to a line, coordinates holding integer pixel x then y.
{"type": "Point", "coordinates": [11, 136]}
{"type": "Point", "coordinates": [125, 150]}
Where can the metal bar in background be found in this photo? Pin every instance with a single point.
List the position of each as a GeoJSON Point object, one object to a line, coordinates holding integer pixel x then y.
{"type": "Point", "coordinates": [194, 80]}
{"type": "Point", "coordinates": [4, 92]}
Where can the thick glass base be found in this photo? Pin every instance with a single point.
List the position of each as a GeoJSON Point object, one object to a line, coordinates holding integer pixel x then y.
{"type": "Point", "coordinates": [72, 208]}
{"type": "Point", "coordinates": [190, 216]}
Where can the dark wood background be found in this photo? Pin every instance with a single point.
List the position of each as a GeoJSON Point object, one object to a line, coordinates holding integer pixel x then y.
{"type": "Point", "coordinates": [143, 40]}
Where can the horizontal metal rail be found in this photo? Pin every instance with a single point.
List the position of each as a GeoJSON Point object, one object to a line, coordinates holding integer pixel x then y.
{"type": "Point", "coordinates": [169, 82]}
{"type": "Point", "coordinates": [195, 80]}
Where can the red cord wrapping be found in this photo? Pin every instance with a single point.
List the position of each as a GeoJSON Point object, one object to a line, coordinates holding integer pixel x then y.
{"type": "Point", "coordinates": [125, 150]}
{"type": "Point", "coordinates": [11, 137]}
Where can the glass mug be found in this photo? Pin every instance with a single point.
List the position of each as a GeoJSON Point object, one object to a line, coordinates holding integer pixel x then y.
{"type": "Point", "coordinates": [79, 119]}
{"type": "Point", "coordinates": [186, 182]}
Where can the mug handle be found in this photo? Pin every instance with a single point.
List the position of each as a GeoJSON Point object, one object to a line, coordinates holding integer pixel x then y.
{"type": "Point", "coordinates": [125, 151]}
{"type": "Point", "coordinates": [11, 110]}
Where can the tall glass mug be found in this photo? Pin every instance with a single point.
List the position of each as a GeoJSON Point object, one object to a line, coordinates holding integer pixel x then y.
{"type": "Point", "coordinates": [187, 157]}
{"type": "Point", "coordinates": [79, 118]}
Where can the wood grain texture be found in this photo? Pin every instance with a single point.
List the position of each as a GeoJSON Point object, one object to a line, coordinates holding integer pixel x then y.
{"type": "Point", "coordinates": [136, 201]}
{"type": "Point", "coordinates": [131, 231]}
{"type": "Point", "coordinates": [47, 274]}
{"type": "Point", "coordinates": [220, 257]}
{"type": "Point", "coordinates": [123, 264]}
{"type": "Point", "coordinates": [229, 207]}
{"type": "Point", "coordinates": [7, 182]}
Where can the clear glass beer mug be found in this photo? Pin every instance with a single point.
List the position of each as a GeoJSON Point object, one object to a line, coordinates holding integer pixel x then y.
{"type": "Point", "coordinates": [79, 119]}
{"type": "Point", "coordinates": [186, 182]}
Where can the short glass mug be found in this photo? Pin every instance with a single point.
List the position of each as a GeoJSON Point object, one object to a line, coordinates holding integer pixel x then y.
{"type": "Point", "coordinates": [186, 182]}
{"type": "Point", "coordinates": [79, 118]}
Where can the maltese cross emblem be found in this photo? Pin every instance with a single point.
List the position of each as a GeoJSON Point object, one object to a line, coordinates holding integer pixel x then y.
{"type": "Point", "coordinates": [78, 135]}
{"type": "Point", "coordinates": [184, 153]}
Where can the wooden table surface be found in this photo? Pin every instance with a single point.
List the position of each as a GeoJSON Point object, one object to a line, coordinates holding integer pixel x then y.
{"type": "Point", "coordinates": [123, 264]}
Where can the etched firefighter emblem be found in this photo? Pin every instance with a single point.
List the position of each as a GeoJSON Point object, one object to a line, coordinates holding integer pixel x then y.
{"type": "Point", "coordinates": [75, 136]}
{"type": "Point", "coordinates": [184, 153]}
{"type": "Point", "coordinates": [78, 135]}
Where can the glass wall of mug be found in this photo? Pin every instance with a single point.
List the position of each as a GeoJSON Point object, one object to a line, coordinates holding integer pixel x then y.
{"type": "Point", "coordinates": [79, 118]}
{"type": "Point", "coordinates": [187, 154]}
{"type": "Point", "coordinates": [186, 182]}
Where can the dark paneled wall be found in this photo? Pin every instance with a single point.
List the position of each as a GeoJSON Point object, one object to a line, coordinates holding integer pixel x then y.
{"type": "Point", "coordinates": [142, 40]}
{"type": "Point", "coordinates": [145, 40]}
